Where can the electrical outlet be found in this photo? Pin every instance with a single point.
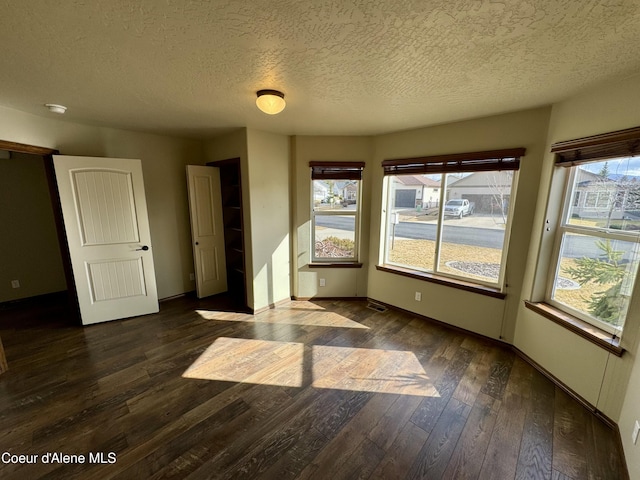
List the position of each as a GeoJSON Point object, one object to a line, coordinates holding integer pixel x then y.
{"type": "Point", "coordinates": [192, 277]}
{"type": "Point", "coordinates": [636, 430]}
{"type": "Point", "coordinates": [323, 283]}
{"type": "Point", "coordinates": [15, 283]}
{"type": "Point", "coordinates": [418, 296]}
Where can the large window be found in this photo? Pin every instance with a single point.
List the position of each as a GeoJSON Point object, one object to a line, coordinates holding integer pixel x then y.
{"type": "Point", "coordinates": [598, 240]}
{"type": "Point", "coordinates": [335, 213]}
{"type": "Point", "coordinates": [462, 232]}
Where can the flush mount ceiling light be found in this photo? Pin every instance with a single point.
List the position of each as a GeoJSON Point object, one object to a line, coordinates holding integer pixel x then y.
{"type": "Point", "coordinates": [270, 101]}
{"type": "Point", "coordinates": [59, 109]}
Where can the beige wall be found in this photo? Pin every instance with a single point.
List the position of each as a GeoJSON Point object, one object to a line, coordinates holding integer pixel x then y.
{"type": "Point", "coordinates": [339, 282]}
{"type": "Point", "coordinates": [488, 316]}
{"type": "Point", "coordinates": [610, 383]}
{"type": "Point", "coordinates": [163, 163]}
{"type": "Point", "coordinates": [268, 156]}
{"type": "Point", "coordinates": [264, 162]}
{"type": "Point", "coordinates": [629, 414]}
{"type": "Point", "coordinates": [29, 249]}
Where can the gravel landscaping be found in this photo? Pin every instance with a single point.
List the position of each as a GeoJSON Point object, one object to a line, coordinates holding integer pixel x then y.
{"type": "Point", "coordinates": [480, 269]}
{"type": "Point", "coordinates": [420, 253]}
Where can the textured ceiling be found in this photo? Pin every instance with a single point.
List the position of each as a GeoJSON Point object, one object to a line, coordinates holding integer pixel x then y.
{"type": "Point", "coordinates": [192, 67]}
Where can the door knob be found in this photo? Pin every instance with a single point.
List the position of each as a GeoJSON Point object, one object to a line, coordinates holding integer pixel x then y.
{"type": "Point", "coordinates": [144, 248]}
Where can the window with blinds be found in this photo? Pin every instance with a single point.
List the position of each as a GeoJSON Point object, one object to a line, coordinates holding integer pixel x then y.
{"type": "Point", "coordinates": [450, 214]}
{"type": "Point", "coordinates": [335, 211]}
{"type": "Point", "coordinates": [597, 248]}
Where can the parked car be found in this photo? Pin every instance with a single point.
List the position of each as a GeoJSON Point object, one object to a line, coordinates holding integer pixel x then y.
{"type": "Point", "coordinates": [458, 207]}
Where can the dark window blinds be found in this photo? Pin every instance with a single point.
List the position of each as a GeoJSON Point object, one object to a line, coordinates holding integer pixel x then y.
{"type": "Point", "coordinates": [491, 160]}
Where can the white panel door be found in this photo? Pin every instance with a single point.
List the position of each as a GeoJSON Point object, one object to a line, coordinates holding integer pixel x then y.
{"type": "Point", "coordinates": [207, 230]}
{"type": "Point", "coordinates": [105, 218]}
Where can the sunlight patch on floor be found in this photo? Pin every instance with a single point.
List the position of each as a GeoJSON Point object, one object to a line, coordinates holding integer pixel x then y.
{"type": "Point", "coordinates": [283, 364]}
{"type": "Point", "coordinates": [370, 370]}
{"type": "Point", "coordinates": [250, 361]}
{"type": "Point", "coordinates": [225, 316]}
{"type": "Point", "coordinates": [321, 319]}
{"type": "Point", "coordinates": [304, 305]}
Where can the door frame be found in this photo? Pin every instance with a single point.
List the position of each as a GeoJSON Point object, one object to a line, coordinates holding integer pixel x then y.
{"type": "Point", "coordinates": [47, 155]}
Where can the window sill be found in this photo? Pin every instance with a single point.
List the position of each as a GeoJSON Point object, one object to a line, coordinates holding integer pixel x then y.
{"type": "Point", "coordinates": [580, 327]}
{"type": "Point", "coordinates": [335, 265]}
{"type": "Point", "coordinates": [449, 282]}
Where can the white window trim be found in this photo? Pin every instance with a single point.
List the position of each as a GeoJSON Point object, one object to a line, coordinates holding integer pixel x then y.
{"type": "Point", "coordinates": [386, 222]}
{"type": "Point", "coordinates": [356, 213]}
{"type": "Point", "coordinates": [564, 227]}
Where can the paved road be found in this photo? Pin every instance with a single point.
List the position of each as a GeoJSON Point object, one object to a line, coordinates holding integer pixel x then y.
{"type": "Point", "coordinates": [481, 237]}
{"type": "Point", "coordinates": [576, 247]}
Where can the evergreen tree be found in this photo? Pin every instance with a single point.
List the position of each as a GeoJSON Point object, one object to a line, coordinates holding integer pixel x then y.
{"type": "Point", "coordinates": [607, 305]}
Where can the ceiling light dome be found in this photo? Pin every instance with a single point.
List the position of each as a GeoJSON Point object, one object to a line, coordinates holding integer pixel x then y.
{"type": "Point", "coordinates": [270, 101]}
{"type": "Point", "coordinates": [54, 108]}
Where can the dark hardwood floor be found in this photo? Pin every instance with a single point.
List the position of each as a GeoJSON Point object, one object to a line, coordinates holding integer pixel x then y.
{"type": "Point", "coordinates": [310, 390]}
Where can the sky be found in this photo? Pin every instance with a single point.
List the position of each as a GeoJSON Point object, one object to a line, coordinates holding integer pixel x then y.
{"type": "Point", "coordinates": [623, 166]}
{"type": "Point", "coordinates": [629, 166]}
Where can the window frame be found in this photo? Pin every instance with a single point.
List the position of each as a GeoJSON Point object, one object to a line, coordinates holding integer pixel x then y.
{"type": "Point", "coordinates": [473, 162]}
{"type": "Point", "coordinates": [336, 171]}
{"type": "Point", "coordinates": [574, 153]}
{"type": "Point", "coordinates": [563, 228]}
